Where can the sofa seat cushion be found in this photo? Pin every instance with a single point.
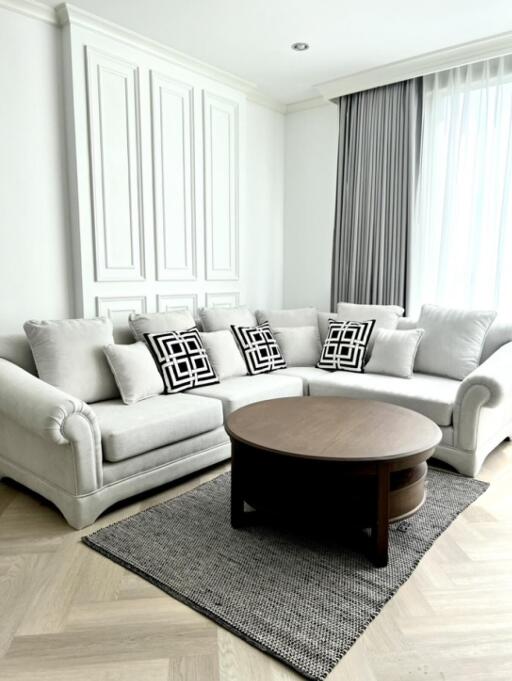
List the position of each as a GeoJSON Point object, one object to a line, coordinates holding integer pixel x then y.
{"type": "Point", "coordinates": [128, 430]}
{"type": "Point", "coordinates": [306, 374]}
{"type": "Point", "coordinates": [432, 396]}
{"type": "Point", "coordinates": [238, 391]}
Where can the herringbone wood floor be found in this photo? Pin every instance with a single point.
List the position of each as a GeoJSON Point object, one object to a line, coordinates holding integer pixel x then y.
{"type": "Point", "coordinates": [68, 614]}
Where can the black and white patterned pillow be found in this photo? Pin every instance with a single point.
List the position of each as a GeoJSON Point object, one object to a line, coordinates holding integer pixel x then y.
{"type": "Point", "coordinates": [345, 346]}
{"type": "Point", "coordinates": [259, 348]}
{"type": "Point", "coordinates": [182, 360]}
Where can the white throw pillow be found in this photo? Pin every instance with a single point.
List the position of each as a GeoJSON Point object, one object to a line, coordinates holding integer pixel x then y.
{"type": "Point", "coordinates": [300, 345]}
{"type": "Point", "coordinates": [394, 352]}
{"type": "Point", "coordinates": [160, 322]}
{"type": "Point", "coordinates": [453, 341]}
{"type": "Point", "coordinates": [135, 371]}
{"type": "Point", "coordinates": [303, 316]}
{"type": "Point", "coordinates": [69, 355]}
{"type": "Point", "coordinates": [223, 353]}
{"type": "Point", "coordinates": [220, 318]}
{"type": "Point", "coordinates": [385, 316]}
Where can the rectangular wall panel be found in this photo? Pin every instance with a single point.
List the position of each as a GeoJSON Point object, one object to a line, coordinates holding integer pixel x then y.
{"type": "Point", "coordinates": [118, 308]}
{"type": "Point", "coordinates": [178, 301]}
{"type": "Point", "coordinates": [173, 161]}
{"type": "Point", "coordinates": [221, 186]}
{"type": "Point", "coordinates": [116, 174]}
{"type": "Point", "coordinates": [229, 299]}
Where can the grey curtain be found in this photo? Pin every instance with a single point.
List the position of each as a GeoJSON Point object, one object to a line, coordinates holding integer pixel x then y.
{"type": "Point", "coordinates": [378, 157]}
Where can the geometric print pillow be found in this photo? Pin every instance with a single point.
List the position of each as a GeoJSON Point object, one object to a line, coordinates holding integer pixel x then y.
{"type": "Point", "coordinates": [345, 346]}
{"type": "Point", "coordinates": [182, 360]}
{"type": "Point", "coordinates": [259, 348]}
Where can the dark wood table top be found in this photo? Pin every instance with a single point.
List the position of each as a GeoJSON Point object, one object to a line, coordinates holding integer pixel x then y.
{"type": "Point", "coordinates": [333, 428]}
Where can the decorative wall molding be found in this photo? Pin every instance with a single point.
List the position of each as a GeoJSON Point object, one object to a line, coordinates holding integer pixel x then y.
{"type": "Point", "coordinates": [221, 186]}
{"type": "Point", "coordinates": [117, 308]}
{"type": "Point", "coordinates": [172, 119]}
{"type": "Point", "coordinates": [32, 9]}
{"type": "Point", "coordinates": [69, 14]}
{"type": "Point", "coordinates": [116, 166]}
{"type": "Point", "coordinates": [421, 65]}
{"type": "Point", "coordinates": [305, 104]}
{"type": "Point", "coordinates": [226, 299]}
{"type": "Point", "coordinates": [177, 301]}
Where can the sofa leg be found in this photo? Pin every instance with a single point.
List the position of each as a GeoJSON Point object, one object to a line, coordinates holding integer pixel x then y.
{"type": "Point", "coordinates": [80, 513]}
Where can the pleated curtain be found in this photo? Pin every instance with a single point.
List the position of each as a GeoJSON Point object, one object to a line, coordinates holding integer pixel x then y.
{"type": "Point", "coordinates": [377, 170]}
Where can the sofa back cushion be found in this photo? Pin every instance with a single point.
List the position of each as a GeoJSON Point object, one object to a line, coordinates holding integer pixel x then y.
{"type": "Point", "coordinates": [69, 355]}
{"type": "Point", "coordinates": [299, 345]}
{"type": "Point", "coordinates": [453, 340]}
{"type": "Point", "coordinates": [303, 316]}
{"type": "Point", "coordinates": [500, 332]}
{"type": "Point", "coordinates": [15, 348]}
{"type": "Point", "coordinates": [385, 316]}
{"type": "Point", "coordinates": [220, 318]}
{"type": "Point", "coordinates": [160, 322]}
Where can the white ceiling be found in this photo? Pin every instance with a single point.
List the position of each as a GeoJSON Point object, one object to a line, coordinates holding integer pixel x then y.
{"type": "Point", "coordinates": [252, 38]}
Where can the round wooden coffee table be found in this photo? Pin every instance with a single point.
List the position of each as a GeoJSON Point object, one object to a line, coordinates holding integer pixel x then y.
{"type": "Point", "coordinates": [361, 461]}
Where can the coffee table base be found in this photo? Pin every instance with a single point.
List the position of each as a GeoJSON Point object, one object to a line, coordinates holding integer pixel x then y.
{"type": "Point", "coordinates": [369, 495]}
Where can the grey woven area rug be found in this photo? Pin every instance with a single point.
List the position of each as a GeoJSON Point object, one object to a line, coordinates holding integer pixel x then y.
{"type": "Point", "coordinates": [301, 598]}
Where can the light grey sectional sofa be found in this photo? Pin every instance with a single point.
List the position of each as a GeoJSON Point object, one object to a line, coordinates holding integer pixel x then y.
{"type": "Point", "coordinates": [85, 457]}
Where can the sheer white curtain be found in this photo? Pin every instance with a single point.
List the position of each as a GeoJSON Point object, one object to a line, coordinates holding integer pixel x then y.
{"type": "Point", "coordinates": [461, 241]}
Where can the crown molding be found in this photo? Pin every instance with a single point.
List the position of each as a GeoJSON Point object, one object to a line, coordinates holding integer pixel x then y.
{"type": "Point", "coordinates": [260, 98]}
{"type": "Point", "coordinates": [32, 9]}
{"type": "Point", "coordinates": [430, 62]}
{"type": "Point", "coordinates": [69, 14]}
{"type": "Point", "coordinates": [305, 104]}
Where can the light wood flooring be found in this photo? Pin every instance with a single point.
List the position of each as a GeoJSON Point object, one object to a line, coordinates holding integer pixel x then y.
{"type": "Point", "coordinates": [68, 614]}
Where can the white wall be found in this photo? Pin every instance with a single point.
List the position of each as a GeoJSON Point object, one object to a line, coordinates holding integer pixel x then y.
{"type": "Point", "coordinates": [35, 241]}
{"type": "Point", "coordinates": [310, 185]}
{"type": "Point", "coordinates": [264, 207]}
{"type": "Point", "coordinates": [35, 260]}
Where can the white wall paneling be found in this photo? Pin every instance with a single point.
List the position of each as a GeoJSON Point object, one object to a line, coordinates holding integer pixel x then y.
{"type": "Point", "coordinates": [155, 154]}
{"type": "Point", "coordinates": [177, 301]}
{"type": "Point", "coordinates": [114, 133]}
{"type": "Point", "coordinates": [228, 299]}
{"type": "Point", "coordinates": [221, 186]}
{"type": "Point", "coordinates": [172, 113]}
{"type": "Point", "coordinates": [118, 309]}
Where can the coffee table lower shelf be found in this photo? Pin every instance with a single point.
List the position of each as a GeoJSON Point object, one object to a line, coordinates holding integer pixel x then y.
{"type": "Point", "coordinates": [337, 494]}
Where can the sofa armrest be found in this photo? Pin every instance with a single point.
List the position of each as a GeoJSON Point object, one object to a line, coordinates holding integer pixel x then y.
{"type": "Point", "coordinates": [44, 410]}
{"type": "Point", "coordinates": [493, 377]}
{"type": "Point", "coordinates": [490, 386]}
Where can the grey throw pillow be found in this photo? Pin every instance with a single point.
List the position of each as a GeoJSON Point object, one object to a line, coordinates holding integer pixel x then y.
{"type": "Point", "coordinates": [69, 355]}
{"type": "Point", "coordinates": [220, 318]}
{"type": "Point", "coordinates": [303, 316]}
{"type": "Point", "coordinates": [160, 322]}
{"type": "Point", "coordinates": [135, 371]}
{"type": "Point", "coordinates": [453, 341]}
{"type": "Point", "coordinates": [300, 345]}
{"type": "Point", "coordinates": [394, 352]}
{"type": "Point", "coordinates": [223, 353]}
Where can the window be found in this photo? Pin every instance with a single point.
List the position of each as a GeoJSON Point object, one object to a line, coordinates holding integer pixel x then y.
{"type": "Point", "coordinates": [461, 241]}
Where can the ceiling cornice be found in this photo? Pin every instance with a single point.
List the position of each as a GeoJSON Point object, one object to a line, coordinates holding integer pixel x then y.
{"type": "Point", "coordinates": [69, 14]}
{"type": "Point", "coordinates": [31, 8]}
{"type": "Point", "coordinates": [304, 104]}
{"type": "Point", "coordinates": [431, 62]}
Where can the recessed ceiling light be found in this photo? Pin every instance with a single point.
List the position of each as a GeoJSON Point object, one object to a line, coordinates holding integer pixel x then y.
{"type": "Point", "coordinates": [300, 47]}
